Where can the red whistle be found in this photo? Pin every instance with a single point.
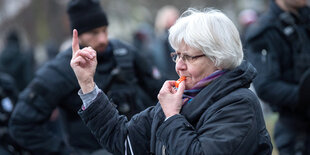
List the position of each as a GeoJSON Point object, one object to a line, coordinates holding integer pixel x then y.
{"type": "Point", "coordinates": [182, 78]}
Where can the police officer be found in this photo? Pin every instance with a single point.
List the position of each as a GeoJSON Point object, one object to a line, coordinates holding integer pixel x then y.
{"type": "Point", "coordinates": [122, 73]}
{"type": "Point", "coordinates": [279, 47]}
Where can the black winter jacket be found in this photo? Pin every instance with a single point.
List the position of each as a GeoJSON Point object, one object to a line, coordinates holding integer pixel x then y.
{"type": "Point", "coordinates": [224, 118]}
{"type": "Point", "coordinates": [55, 85]}
{"type": "Point", "coordinates": [278, 45]}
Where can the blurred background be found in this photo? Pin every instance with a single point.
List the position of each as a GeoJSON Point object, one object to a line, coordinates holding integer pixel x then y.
{"type": "Point", "coordinates": [44, 27]}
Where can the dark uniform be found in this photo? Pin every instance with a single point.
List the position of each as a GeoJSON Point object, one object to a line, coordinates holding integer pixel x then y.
{"type": "Point", "coordinates": [279, 47]}
{"type": "Point", "coordinates": [121, 73]}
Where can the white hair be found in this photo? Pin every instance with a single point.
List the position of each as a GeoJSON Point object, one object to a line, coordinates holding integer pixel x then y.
{"type": "Point", "coordinates": [210, 31]}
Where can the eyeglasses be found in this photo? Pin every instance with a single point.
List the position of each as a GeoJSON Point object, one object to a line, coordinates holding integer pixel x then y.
{"type": "Point", "coordinates": [186, 58]}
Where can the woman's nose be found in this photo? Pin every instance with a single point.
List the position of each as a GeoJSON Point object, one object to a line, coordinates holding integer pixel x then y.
{"type": "Point", "coordinates": [180, 65]}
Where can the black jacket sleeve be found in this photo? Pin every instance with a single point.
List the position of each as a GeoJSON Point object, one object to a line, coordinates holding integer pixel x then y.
{"type": "Point", "coordinates": [29, 120]}
{"type": "Point", "coordinates": [28, 126]}
{"type": "Point", "coordinates": [114, 131]}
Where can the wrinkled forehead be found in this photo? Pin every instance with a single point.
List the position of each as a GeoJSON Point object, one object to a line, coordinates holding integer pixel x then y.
{"type": "Point", "coordinates": [186, 49]}
{"type": "Point", "coordinates": [182, 47]}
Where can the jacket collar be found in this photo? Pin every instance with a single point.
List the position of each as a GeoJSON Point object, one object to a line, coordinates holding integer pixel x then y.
{"type": "Point", "coordinates": [240, 77]}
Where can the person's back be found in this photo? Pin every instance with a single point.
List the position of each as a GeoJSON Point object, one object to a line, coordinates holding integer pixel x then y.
{"type": "Point", "coordinates": [122, 73]}
{"type": "Point", "coordinates": [278, 45]}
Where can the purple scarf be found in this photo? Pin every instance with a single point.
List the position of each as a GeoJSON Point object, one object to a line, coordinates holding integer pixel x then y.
{"type": "Point", "coordinates": [188, 95]}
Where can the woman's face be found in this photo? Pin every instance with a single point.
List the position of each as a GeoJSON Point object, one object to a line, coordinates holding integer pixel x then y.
{"type": "Point", "coordinates": [194, 70]}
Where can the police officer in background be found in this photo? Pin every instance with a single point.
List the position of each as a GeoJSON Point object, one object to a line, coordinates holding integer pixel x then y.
{"type": "Point", "coordinates": [279, 47]}
{"type": "Point", "coordinates": [16, 61]}
{"type": "Point", "coordinates": [122, 73]}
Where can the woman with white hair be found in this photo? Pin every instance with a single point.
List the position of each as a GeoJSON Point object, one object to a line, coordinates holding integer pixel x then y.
{"type": "Point", "coordinates": [211, 112]}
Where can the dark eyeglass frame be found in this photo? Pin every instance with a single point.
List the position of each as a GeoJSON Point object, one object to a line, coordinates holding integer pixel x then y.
{"type": "Point", "coordinates": [186, 58]}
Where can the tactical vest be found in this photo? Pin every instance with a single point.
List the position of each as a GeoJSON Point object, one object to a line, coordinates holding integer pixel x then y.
{"type": "Point", "coordinates": [123, 88]}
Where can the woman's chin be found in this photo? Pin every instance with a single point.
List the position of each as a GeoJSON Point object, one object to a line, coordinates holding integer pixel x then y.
{"type": "Point", "coordinates": [188, 86]}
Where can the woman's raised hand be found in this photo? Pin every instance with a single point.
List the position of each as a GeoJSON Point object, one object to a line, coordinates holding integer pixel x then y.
{"type": "Point", "coordinates": [84, 64]}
